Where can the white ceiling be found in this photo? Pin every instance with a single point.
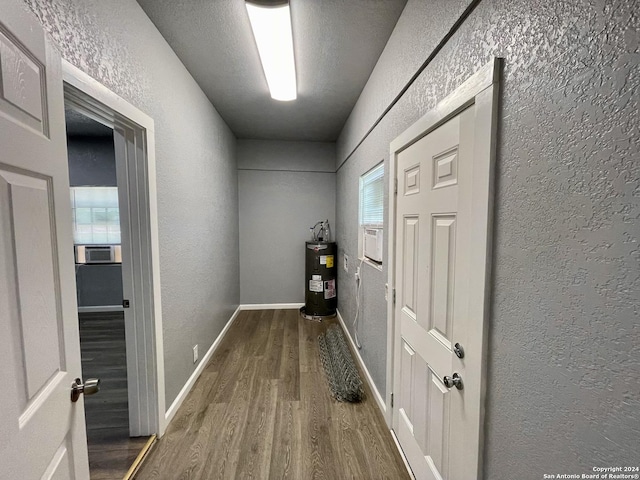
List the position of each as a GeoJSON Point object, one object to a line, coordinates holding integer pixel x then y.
{"type": "Point", "coordinates": [337, 44]}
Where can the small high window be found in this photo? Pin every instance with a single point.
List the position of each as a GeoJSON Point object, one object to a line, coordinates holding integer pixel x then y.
{"type": "Point", "coordinates": [96, 215]}
{"type": "Point", "coordinates": [371, 214]}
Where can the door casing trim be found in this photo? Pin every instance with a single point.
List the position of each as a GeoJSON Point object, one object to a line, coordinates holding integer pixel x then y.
{"type": "Point", "coordinates": [481, 89]}
{"type": "Point", "coordinates": [134, 136]}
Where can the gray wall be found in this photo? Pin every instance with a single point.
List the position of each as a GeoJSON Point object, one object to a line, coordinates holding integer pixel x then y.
{"type": "Point", "coordinates": [284, 188]}
{"type": "Point", "coordinates": [116, 43]}
{"type": "Point", "coordinates": [92, 161]}
{"type": "Point", "coordinates": [564, 358]}
{"type": "Point", "coordinates": [99, 285]}
{"type": "Point", "coordinates": [409, 45]}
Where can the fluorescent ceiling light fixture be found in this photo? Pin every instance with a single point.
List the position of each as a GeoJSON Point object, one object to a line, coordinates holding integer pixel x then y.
{"type": "Point", "coordinates": [272, 30]}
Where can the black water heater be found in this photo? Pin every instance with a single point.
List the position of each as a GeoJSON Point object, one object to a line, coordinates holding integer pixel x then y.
{"type": "Point", "coordinates": [321, 294]}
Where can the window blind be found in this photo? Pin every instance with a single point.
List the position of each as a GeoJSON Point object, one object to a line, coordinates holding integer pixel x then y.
{"type": "Point", "coordinates": [95, 215]}
{"type": "Point", "coordinates": [372, 197]}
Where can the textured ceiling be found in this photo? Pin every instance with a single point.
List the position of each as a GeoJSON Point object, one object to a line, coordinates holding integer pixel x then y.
{"type": "Point", "coordinates": [337, 44]}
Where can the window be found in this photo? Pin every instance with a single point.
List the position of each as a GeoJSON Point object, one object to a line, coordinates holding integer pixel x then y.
{"type": "Point", "coordinates": [371, 214]}
{"type": "Point", "coordinates": [95, 215]}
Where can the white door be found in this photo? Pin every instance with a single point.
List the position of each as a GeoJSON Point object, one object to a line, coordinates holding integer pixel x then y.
{"type": "Point", "coordinates": [42, 433]}
{"type": "Point", "coordinates": [436, 423]}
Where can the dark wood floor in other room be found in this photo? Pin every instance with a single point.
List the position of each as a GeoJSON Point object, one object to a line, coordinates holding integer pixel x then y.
{"type": "Point", "coordinates": [262, 409]}
{"type": "Point", "coordinates": [102, 343]}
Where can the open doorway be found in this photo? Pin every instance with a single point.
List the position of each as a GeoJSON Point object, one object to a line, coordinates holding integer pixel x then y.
{"type": "Point", "coordinates": [98, 266]}
{"type": "Point", "coordinates": [112, 177]}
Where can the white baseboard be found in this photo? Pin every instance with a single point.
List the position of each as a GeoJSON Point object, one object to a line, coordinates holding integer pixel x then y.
{"type": "Point", "coordinates": [270, 306]}
{"type": "Point", "coordinates": [372, 386]}
{"type": "Point", "coordinates": [356, 352]}
{"type": "Point", "coordinates": [196, 373]}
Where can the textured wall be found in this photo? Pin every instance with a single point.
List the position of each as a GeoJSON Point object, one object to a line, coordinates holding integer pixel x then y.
{"type": "Point", "coordinates": [372, 319]}
{"type": "Point", "coordinates": [116, 43]}
{"type": "Point", "coordinates": [416, 34]}
{"type": "Point", "coordinates": [284, 188]}
{"type": "Point", "coordinates": [92, 161]}
{"type": "Point", "coordinates": [420, 28]}
{"type": "Point", "coordinates": [564, 348]}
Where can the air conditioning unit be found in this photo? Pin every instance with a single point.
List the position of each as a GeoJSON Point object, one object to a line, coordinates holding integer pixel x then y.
{"type": "Point", "coordinates": [98, 254]}
{"type": "Point", "coordinates": [373, 244]}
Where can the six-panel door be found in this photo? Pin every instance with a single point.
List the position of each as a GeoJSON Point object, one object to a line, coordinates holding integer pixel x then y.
{"type": "Point", "coordinates": [42, 433]}
{"type": "Point", "coordinates": [432, 221]}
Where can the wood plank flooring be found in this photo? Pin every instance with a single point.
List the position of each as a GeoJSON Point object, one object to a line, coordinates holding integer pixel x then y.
{"type": "Point", "coordinates": [262, 409]}
{"type": "Point", "coordinates": [102, 345]}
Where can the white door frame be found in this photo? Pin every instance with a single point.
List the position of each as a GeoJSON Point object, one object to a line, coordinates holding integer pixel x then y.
{"type": "Point", "coordinates": [482, 90]}
{"type": "Point", "coordinates": [134, 140]}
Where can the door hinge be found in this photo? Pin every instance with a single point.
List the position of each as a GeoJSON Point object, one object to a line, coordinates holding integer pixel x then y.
{"type": "Point", "coordinates": [394, 296]}
{"type": "Point", "coordinates": [395, 189]}
{"type": "Point", "coordinates": [392, 400]}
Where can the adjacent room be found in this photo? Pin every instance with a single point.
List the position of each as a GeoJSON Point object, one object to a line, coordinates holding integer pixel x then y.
{"type": "Point", "coordinates": [319, 239]}
{"type": "Point", "coordinates": [102, 317]}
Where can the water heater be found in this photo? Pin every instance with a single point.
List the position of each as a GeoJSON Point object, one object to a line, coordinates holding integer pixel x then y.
{"type": "Point", "coordinates": [321, 295]}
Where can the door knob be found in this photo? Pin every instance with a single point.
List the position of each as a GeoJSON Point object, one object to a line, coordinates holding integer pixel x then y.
{"type": "Point", "coordinates": [89, 387]}
{"type": "Point", "coordinates": [454, 381]}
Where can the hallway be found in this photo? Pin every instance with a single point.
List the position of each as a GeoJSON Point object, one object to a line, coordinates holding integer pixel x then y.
{"type": "Point", "coordinates": [262, 409]}
{"type": "Point", "coordinates": [225, 180]}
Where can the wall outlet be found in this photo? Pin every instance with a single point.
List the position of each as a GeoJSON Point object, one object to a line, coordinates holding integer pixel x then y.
{"type": "Point", "coordinates": [195, 353]}
{"type": "Point", "coordinates": [346, 263]}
